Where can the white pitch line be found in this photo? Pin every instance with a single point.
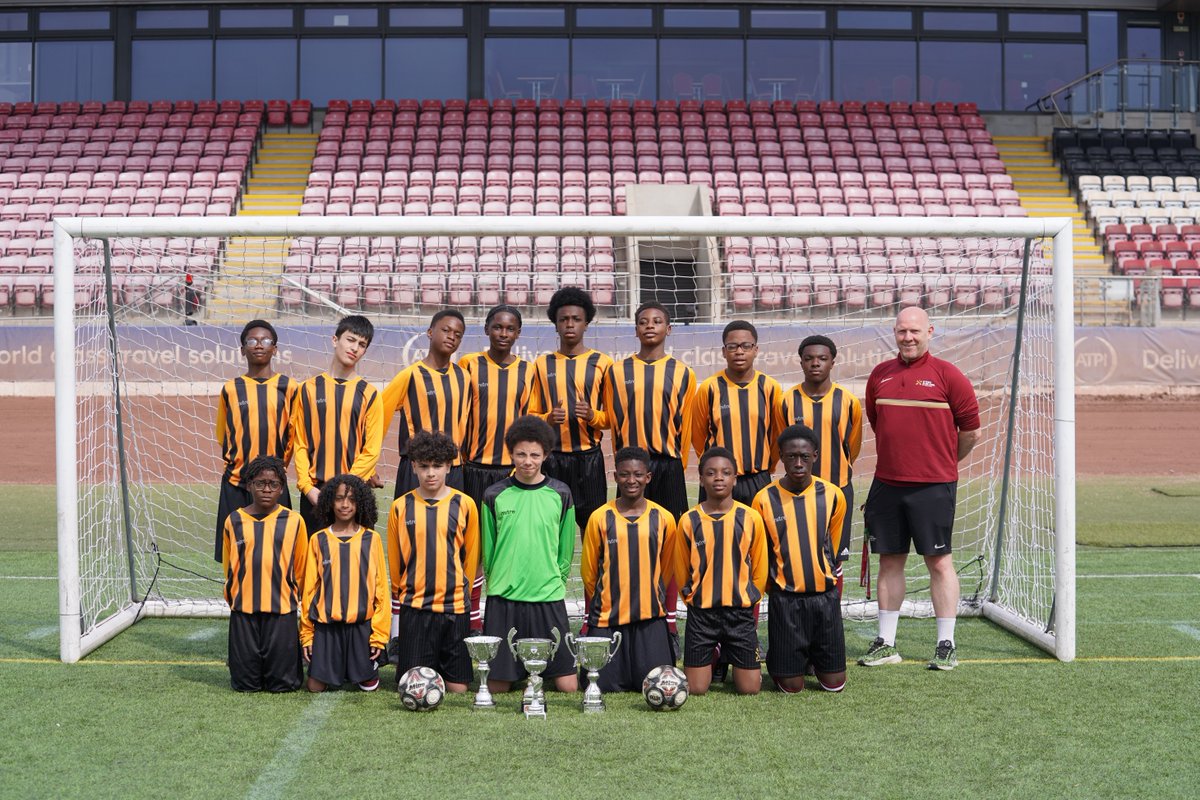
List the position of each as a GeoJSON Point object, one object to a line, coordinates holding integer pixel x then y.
{"type": "Point", "coordinates": [275, 778]}
{"type": "Point", "coordinates": [1188, 630]}
{"type": "Point", "coordinates": [42, 632]}
{"type": "Point", "coordinates": [28, 577]}
{"type": "Point", "coordinates": [1146, 575]}
{"type": "Point", "coordinates": [203, 635]}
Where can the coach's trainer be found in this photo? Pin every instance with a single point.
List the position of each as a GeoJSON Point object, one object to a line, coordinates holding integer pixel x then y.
{"type": "Point", "coordinates": [926, 419]}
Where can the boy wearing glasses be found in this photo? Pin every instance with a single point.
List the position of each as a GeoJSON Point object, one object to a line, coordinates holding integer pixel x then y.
{"type": "Point", "coordinates": [253, 414]}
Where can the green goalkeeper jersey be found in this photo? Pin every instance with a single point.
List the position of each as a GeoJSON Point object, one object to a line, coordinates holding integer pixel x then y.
{"type": "Point", "coordinates": [528, 538]}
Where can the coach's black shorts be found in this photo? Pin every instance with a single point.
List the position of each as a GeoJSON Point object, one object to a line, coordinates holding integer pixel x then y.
{"type": "Point", "coordinates": [644, 646]}
{"type": "Point", "coordinates": [230, 499]}
{"type": "Point", "coordinates": [264, 652]}
{"type": "Point", "coordinates": [308, 512]}
{"type": "Point", "coordinates": [844, 553]}
{"type": "Point", "coordinates": [731, 628]}
{"type": "Point", "coordinates": [532, 621]}
{"type": "Point", "coordinates": [406, 479]}
{"type": "Point", "coordinates": [433, 639]}
{"type": "Point", "coordinates": [922, 515]}
{"type": "Point", "coordinates": [746, 487]}
{"type": "Point", "coordinates": [668, 487]}
{"type": "Point", "coordinates": [341, 653]}
{"type": "Point", "coordinates": [478, 477]}
{"type": "Point", "coordinates": [583, 473]}
{"type": "Point", "coordinates": [804, 629]}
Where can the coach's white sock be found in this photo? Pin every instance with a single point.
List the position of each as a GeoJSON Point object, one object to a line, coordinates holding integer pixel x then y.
{"type": "Point", "coordinates": [887, 626]}
{"type": "Point", "coordinates": [945, 627]}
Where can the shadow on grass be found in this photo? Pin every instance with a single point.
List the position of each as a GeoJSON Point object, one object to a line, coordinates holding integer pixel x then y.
{"type": "Point", "coordinates": [212, 675]}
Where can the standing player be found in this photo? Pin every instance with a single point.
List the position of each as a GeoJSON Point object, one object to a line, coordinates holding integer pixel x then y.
{"type": "Point", "coordinates": [253, 413]}
{"type": "Point", "coordinates": [568, 388]}
{"type": "Point", "coordinates": [721, 566]}
{"type": "Point", "coordinates": [926, 420]}
{"type": "Point", "coordinates": [649, 402]}
{"type": "Point", "coordinates": [431, 395]}
{"type": "Point", "coordinates": [337, 422]}
{"type": "Point", "coordinates": [803, 517]}
{"type": "Point", "coordinates": [627, 550]}
{"type": "Point", "coordinates": [736, 409]}
{"type": "Point", "coordinates": [499, 388]}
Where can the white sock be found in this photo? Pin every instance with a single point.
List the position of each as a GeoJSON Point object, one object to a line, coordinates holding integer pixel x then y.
{"type": "Point", "coordinates": [945, 626]}
{"type": "Point", "coordinates": [887, 626]}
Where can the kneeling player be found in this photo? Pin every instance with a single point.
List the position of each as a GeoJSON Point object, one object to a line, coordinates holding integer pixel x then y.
{"type": "Point", "coordinates": [346, 611]}
{"type": "Point", "coordinates": [721, 566]}
{"type": "Point", "coordinates": [625, 563]}
{"type": "Point", "coordinates": [803, 517]}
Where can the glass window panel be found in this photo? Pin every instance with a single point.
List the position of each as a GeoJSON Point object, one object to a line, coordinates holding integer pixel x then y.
{"type": "Point", "coordinates": [1143, 42]}
{"type": "Point", "coordinates": [346, 68]}
{"type": "Point", "coordinates": [527, 17]}
{"type": "Point", "coordinates": [874, 70]}
{"type": "Point", "coordinates": [613, 18]}
{"type": "Point", "coordinates": [250, 69]}
{"type": "Point", "coordinates": [701, 18]}
{"type": "Point", "coordinates": [73, 71]}
{"type": "Point", "coordinates": [168, 68]}
{"type": "Point", "coordinates": [1102, 38]}
{"type": "Point", "coordinates": [172, 19]}
{"type": "Point", "coordinates": [773, 18]}
{"type": "Point", "coordinates": [407, 72]}
{"type": "Point", "coordinates": [787, 69]}
{"type": "Point", "coordinates": [960, 21]}
{"type": "Point", "coordinates": [1045, 23]}
{"type": "Point", "coordinates": [426, 17]}
{"type": "Point", "coordinates": [533, 68]}
{"type": "Point", "coordinates": [875, 20]}
{"type": "Point", "coordinates": [15, 72]}
{"type": "Point", "coordinates": [14, 21]}
{"type": "Point", "coordinates": [961, 72]}
{"type": "Point", "coordinates": [701, 68]}
{"type": "Point", "coordinates": [257, 18]}
{"type": "Point", "coordinates": [613, 69]}
{"type": "Point", "coordinates": [1034, 69]}
{"type": "Point", "coordinates": [341, 17]}
{"type": "Point", "coordinates": [74, 21]}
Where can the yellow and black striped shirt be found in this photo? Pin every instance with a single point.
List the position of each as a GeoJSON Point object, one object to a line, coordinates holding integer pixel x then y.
{"type": "Point", "coordinates": [345, 580]}
{"type": "Point", "coordinates": [741, 417]}
{"type": "Point", "coordinates": [837, 420]}
{"type": "Point", "coordinates": [561, 380]}
{"type": "Point", "coordinates": [650, 405]}
{"type": "Point", "coordinates": [499, 393]}
{"type": "Point", "coordinates": [625, 564]}
{"type": "Point", "coordinates": [433, 551]}
{"type": "Point", "coordinates": [428, 400]}
{"type": "Point", "coordinates": [721, 561]}
{"type": "Point", "coordinates": [263, 560]}
{"type": "Point", "coordinates": [804, 534]}
{"type": "Point", "coordinates": [337, 428]}
{"type": "Point", "coordinates": [253, 420]}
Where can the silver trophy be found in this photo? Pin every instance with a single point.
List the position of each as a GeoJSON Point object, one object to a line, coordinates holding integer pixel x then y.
{"type": "Point", "coordinates": [483, 649]}
{"type": "Point", "coordinates": [593, 654]}
{"type": "Point", "coordinates": [535, 655]}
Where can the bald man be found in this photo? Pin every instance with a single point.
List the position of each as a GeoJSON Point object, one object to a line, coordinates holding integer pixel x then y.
{"type": "Point", "coordinates": [925, 417]}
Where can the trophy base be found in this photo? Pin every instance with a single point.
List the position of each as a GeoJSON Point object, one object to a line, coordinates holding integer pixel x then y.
{"type": "Point", "coordinates": [483, 706]}
{"type": "Point", "coordinates": [534, 713]}
{"type": "Point", "coordinates": [593, 709]}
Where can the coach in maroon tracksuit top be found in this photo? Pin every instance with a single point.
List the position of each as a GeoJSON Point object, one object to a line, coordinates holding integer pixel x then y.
{"type": "Point", "coordinates": [926, 420]}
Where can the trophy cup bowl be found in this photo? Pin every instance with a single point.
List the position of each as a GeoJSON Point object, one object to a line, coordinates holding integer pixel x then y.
{"type": "Point", "coordinates": [593, 654]}
{"type": "Point", "coordinates": [535, 655]}
{"type": "Point", "coordinates": [483, 649]}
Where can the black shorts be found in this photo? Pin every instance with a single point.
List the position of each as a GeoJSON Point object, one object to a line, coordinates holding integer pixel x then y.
{"type": "Point", "coordinates": [264, 652]}
{"type": "Point", "coordinates": [406, 479]}
{"type": "Point", "coordinates": [583, 473]}
{"type": "Point", "coordinates": [433, 639]}
{"type": "Point", "coordinates": [899, 515]}
{"type": "Point", "coordinates": [747, 486]}
{"type": "Point", "coordinates": [532, 621]}
{"type": "Point", "coordinates": [668, 487]}
{"type": "Point", "coordinates": [644, 646]}
{"type": "Point", "coordinates": [341, 653]}
{"type": "Point", "coordinates": [478, 477]}
{"type": "Point", "coordinates": [804, 629]}
{"type": "Point", "coordinates": [847, 521]}
{"type": "Point", "coordinates": [229, 499]}
{"type": "Point", "coordinates": [731, 628]}
{"type": "Point", "coordinates": [308, 512]}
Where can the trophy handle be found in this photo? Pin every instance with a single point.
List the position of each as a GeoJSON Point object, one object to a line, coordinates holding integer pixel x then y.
{"type": "Point", "coordinates": [572, 647]}
{"type": "Point", "coordinates": [512, 634]}
{"type": "Point", "coordinates": [616, 644]}
{"type": "Point", "coordinates": [557, 637]}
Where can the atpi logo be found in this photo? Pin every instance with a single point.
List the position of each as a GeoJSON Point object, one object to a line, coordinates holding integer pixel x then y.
{"type": "Point", "coordinates": [1095, 359]}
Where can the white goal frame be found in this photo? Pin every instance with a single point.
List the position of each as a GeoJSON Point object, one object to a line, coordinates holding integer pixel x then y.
{"type": "Point", "coordinates": [74, 645]}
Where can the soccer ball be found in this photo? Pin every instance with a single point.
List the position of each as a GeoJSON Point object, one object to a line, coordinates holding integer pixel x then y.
{"type": "Point", "coordinates": [421, 689]}
{"type": "Point", "coordinates": [665, 688]}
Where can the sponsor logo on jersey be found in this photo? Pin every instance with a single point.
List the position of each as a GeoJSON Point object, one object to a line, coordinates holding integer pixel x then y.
{"type": "Point", "coordinates": [926, 384]}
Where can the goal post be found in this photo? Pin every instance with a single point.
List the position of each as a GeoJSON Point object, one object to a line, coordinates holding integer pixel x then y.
{"type": "Point", "coordinates": [135, 536]}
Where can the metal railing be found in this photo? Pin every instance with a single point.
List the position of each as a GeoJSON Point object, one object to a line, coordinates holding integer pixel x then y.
{"type": "Point", "coordinates": [1118, 300]}
{"type": "Point", "coordinates": [1131, 89]}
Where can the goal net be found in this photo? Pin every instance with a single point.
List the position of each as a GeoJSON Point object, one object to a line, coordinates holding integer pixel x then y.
{"type": "Point", "coordinates": [148, 312]}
